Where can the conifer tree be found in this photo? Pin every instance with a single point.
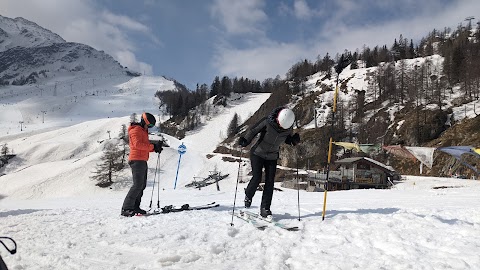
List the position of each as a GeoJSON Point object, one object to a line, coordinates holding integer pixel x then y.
{"type": "Point", "coordinates": [5, 149]}
{"type": "Point", "coordinates": [110, 166]}
{"type": "Point", "coordinates": [233, 126]}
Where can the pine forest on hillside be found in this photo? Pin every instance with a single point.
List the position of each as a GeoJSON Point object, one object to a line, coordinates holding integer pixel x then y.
{"type": "Point", "coordinates": [418, 79]}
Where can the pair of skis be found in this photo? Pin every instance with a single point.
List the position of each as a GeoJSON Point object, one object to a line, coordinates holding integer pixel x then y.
{"type": "Point", "coordinates": [262, 223]}
{"type": "Point", "coordinates": [185, 207]}
{"type": "Point", "coordinates": [255, 219]}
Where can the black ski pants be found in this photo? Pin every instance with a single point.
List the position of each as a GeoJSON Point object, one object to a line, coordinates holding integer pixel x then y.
{"type": "Point", "coordinates": [134, 195]}
{"type": "Point", "coordinates": [270, 166]}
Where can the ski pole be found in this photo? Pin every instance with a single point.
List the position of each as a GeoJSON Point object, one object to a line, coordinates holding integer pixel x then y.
{"type": "Point", "coordinates": [158, 188]}
{"type": "Point", "coordinates": [298, 188]}
{"type": "Point", "coordinates": [236, 186]}
{"type": "Point", "coordinates": [154, 178]}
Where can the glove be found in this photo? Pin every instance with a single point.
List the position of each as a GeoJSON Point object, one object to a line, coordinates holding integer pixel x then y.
{"type": "Point", "coordinates": [295, 139]}
{"type": "Point", "coordinates": [242, 142]}
{"type": "Point", "coordinates": [157, 147]}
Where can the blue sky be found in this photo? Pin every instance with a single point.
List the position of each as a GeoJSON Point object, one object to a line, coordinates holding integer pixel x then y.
{"type": "Point", "coordinates": [193, 41]}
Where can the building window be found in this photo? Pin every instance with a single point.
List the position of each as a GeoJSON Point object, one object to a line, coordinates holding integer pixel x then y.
{"type": "Point", "coordinates": [363, 166]}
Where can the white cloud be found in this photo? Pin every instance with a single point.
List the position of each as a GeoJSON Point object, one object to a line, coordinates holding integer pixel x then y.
{"type": "Point", "coordinates": [260, 63]}
{"type": "Point", "coordinates": [268, 58]}
{"type": "Point", "coordinates": [85, 22]}
{"type": "Point", "coordinates": [125, 22]}
{"type": "Point", "coordinates": [302, 11]}
{"type": "Point", "coordinates": [132, 63]}
{"type": "Point", "coordinates": [337, 36]}
{"type": "Point", "coordinates": [240, 17]}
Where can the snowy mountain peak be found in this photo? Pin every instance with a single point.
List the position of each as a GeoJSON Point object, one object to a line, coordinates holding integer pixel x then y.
{"type": "Point", "coordinates": [30, 54]}
{"type": "Point", "coordinates": [20, 32]}
{"type": "Point", "coordinates": [47, 82]}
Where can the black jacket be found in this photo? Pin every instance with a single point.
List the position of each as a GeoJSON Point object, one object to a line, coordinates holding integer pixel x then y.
{"type": "Point", "coordinates": [271, 137]}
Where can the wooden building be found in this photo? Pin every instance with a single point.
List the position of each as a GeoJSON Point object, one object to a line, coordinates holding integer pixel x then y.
{"type": "Point", "coordinates": [361, 172]}
{"type": "Point", "coordinates": [351, 173]}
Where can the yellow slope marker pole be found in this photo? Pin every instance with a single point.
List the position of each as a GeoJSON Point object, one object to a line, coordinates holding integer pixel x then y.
{"type": "Point", "coordinates": [342, 63]}
{"type": "Point", "coordinates": [329, 157]}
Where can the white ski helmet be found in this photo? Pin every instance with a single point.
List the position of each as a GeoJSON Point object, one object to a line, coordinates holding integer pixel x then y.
{"type": "Point", "coordinates": [285, 118]}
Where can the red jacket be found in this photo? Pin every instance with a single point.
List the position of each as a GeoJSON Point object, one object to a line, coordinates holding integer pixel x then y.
{"type": "Point", "coordinates": [140, 146]}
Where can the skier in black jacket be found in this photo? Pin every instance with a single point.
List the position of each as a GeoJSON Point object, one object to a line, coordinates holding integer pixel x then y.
{"type": "Point", "coordinates": [274, 130]}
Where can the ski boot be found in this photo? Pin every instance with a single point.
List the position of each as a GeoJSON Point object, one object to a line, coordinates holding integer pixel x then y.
{"type": "Point", "coordinates": [248, 202]}
{"type": "Point", "coordinates": [127, 213]}
{"type": "Point", "coordinates": [265, 213]}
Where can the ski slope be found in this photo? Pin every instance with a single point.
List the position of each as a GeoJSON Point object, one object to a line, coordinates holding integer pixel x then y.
{"type": "Point", "coordinates": [206, 138]}
{"type": "Point", "coordinates": [58, 162]}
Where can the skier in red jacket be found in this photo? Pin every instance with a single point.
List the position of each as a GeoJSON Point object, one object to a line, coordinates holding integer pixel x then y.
{"type": "Point", "coordinates": [140, 148]}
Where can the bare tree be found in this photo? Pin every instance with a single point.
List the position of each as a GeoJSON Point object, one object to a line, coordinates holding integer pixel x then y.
{"type": "Point", "coordinates": [402, 80]}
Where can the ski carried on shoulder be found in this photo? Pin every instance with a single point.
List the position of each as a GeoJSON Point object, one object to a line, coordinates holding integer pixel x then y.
{"type": "Point", "coordinates": [251, 215]}
{"type": "Point", "coordinates": [186, 207]}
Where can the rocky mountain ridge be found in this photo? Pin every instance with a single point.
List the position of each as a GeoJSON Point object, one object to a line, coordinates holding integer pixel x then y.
{"type": "Point", "coordinates": [30, 54]}
{"type": "Point", "coordinates": [20, 32]}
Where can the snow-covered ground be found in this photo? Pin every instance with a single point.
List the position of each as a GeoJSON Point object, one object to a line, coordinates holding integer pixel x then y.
{"type": "Point", "coordinates": [409, 227]}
